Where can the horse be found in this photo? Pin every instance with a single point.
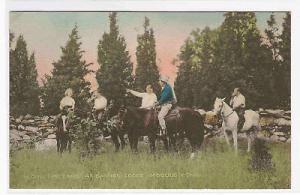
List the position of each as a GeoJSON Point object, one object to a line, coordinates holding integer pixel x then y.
{"type": "Point", "coordinates": [63, 138]}
{"type": "Point", "coordinates": [181, 122]}
{"type": "Point", "coordinates": [110, 124]}
{"type": "Point", "coordinates": [230, 121]}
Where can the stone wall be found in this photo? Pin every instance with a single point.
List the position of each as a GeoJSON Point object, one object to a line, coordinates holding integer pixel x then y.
{"type": "Point", "coordinates": [32, 131]}
{"type": "Point", "coordinates": [39, 132]}
{"type": "Point", "coordinates": [276, 125]}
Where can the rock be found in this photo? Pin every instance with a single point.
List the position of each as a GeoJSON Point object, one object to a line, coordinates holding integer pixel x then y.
{"type": "Point", "coordinates": [15, 137]}
{"type": "Point", "coordinates": [26, 137]}
{"type": "Point", "coordinates": [274, 138]}
{"type": "Point", "coordinates": [12, 126]}
{"type": "Point", "coordinates": [31, 129]}
{"type": "Point", "coordinates": [27, 116]}
{"type": "Point", "coordinates": [45, 118]}
{"type": "Point", "coordinates": [288, 140]}
{"type": "Point", "coordinates": [279, 134]}
{"type": "Point", "coordinates": [282, 139]}
{"type": "Point", "coordinates": [51, 136]}
{"type": "Point", "coordinates": [28, 122]}
{"type": "Point", "coordinates": [21, 128]}
{"type": "Point", "coordinates": [46, 144]}
{"type": "Point", "coordinates": [19, 120]}
{"type": "Point", "coordinates": [14, 131]}
{"type": "Point", "coordinates": [282, 122]}
{"type": "Point", "coordinates": [278, 111]}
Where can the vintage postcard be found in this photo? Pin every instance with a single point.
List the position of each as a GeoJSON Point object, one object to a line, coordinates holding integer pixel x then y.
{"type": "Point", "coordinates": [149, 100]}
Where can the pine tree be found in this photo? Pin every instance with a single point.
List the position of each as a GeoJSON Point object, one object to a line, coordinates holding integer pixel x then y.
{"type": "Point", "coordinates": [24, 89]}
{"type": "Point", "coordinates": [241, 59]}
{"type": "Point", "coordinates": [146, 71]}
{"type": "Point", "coordinates": [115, 73]}
{"type": "Point", "coordinates": [272, 44]}
{"type": "Point", "coordinates": [69, 72]}
{"type": "Point", "coordinates": [192, 83]}
{"type": "Point", "coordinates": [182, 86]}
{"type": "Point", "coordinates": [284, 76]}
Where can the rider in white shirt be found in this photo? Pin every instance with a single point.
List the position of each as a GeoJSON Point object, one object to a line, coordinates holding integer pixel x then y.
{"type": "Point", "coordinates": [238, 104]}
{"type": "Point", "coordinates": [100, 104]}
{"type": "Point", "coordinates": [67, 100]}
{"type": "Point", "coordinates": [148, 98]}
{"type": "Point", "coordinates": [67, 105]}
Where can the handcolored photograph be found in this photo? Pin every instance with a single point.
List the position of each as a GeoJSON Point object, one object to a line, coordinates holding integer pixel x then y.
{"type": "Point", "coordinates": [149, 100]}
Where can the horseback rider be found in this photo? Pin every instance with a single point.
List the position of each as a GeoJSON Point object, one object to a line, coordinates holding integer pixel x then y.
{"type": "Point", "coordinates": [148, 99]}
{"type": "Point", "coordinates": [100, 103]}
{"type": "Point", "coordinates": [67, 101]}
{"type": "Point", "coordinates": [167, 99]}
{"type": "Point", "coordinates": [67, 105]}
{"type": "Point", "coordinates": [237, 103]}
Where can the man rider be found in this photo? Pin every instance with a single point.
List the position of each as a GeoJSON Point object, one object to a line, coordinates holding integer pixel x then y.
{"type": "Point", "coordinates": [167, 98]}
{"type": "Point", "coordinates": [237, 103]}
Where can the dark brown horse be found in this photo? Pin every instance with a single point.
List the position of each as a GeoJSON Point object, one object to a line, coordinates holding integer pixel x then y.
{"type": "Point", "coordinates": [63, 137]}
{"type": "Point", "coordinates": [109, 122]}
{"type": "Point", "coordinates": [181, 122]}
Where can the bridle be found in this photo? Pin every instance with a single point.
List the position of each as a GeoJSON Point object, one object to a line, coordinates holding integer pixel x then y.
{"type": "Point", "coordinates": [222, 114]}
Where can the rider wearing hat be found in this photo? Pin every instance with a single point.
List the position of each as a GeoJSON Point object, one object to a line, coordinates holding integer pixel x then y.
{"type": "Point", "coordinates": [238, 104]}
{"type": "Point", "coordinates": [167, 98]}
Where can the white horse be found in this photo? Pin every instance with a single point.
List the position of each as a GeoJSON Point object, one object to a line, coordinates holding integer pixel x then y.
{"type": "Point", "coordinates": [230, 122]}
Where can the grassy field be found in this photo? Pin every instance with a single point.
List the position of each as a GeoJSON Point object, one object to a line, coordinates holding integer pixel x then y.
{"type": "Point", "coordinates": [216, 167]}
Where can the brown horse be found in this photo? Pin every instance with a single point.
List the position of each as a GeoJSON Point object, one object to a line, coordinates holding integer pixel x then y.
{"type": "Point", "coordinates": [63, 137]}
{"type": "Point", "coordinates": [181, 122]}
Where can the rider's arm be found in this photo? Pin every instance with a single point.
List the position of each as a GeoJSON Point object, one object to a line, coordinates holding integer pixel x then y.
{"type": "Point", "coordinates": [61, 106]}
{"type": "Point", "coordinates": [73, 104]}
{"type": "Point", "coordinates": [137, 94]}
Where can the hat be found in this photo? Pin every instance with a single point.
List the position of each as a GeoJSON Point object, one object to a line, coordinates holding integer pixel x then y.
{"type": "Point", "coordinates": [164, 78]}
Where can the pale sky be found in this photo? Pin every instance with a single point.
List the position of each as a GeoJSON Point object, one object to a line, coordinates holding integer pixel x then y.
{"type": "Point", "coordinates": [46, 32]}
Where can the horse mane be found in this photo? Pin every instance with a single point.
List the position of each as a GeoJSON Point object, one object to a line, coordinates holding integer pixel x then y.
{"type": "Point", "coordinates": [137, 112]}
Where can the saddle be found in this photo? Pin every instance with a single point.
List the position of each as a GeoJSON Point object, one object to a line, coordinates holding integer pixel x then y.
{"type": "Point", "coordinates": [173, 112]}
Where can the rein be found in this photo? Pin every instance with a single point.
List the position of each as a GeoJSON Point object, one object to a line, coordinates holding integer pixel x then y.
{"type": "Point", "coordinates": [223, 114]}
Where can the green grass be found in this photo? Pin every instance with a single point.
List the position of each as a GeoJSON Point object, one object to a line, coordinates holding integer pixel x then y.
{"type": "Point", "coordinates": [216, 167]}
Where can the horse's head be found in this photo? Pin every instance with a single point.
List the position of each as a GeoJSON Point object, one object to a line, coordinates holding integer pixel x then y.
{"type": "Point", "coordinates": [122, 115]}
{"type": "Point", "coordinates": [218, 105]}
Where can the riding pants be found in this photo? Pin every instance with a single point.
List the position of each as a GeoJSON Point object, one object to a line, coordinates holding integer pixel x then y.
{"type": "Point", "coordinates": [161, 115]}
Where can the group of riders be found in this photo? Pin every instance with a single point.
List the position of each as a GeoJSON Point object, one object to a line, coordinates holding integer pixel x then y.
{"type": "Point", "coordinates": [165, 102]}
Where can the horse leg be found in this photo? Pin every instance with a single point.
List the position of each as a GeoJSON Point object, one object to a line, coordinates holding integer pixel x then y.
{"type": "Point", "coordinates": [226, 136]}
{"type": "Point", "coordinates": [152, 143]}
{"type": "Point", "coordinates": [69, 145]}
{"type": "Point", "coordinates": [135, 143]}
{"type": "Point", "coordinates": [57, 144]}
{"type": "Point", "coordinates": [115, 141]}
{"type": "Point", "coordinates": [173, 142]}
{"type": "Point", "coordinates": [121, 135]}
{"type": "Point", "coordinates": [235, 144]}
{"type": "Point", "coordinates": [166, 143]}
{"type": "Point", "coordinates": [130, 138]}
